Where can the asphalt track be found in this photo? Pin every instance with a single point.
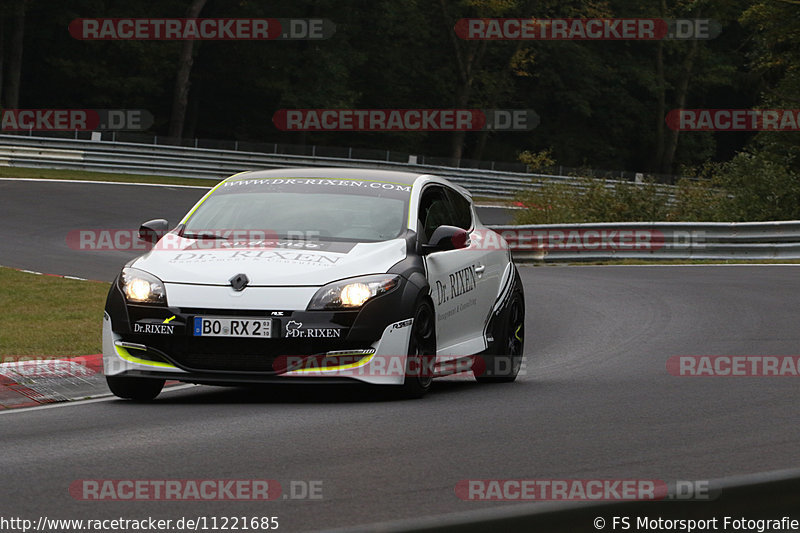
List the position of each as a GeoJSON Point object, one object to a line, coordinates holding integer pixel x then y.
{"type": "Point", "coordinates": [595, 400]}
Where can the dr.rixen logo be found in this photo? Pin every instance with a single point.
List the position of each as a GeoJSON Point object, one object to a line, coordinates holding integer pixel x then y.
{"type": "Point", "coordinates": [296, 329]}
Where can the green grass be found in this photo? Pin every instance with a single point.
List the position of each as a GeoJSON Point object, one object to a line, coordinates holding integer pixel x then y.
{"type": "Point", "coordinates": [47, 316]}
{"type": "Point", "coordinates": [47, 173]}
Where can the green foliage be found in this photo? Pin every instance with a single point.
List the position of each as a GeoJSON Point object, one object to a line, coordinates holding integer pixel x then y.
{"type": "Point", "coordinates": [775, 58]}
{"type": "Point", "coordinates": [699, 200]}
{"type": "Point", "coordinates": [764, 187]}
{"type": "Point", "coordinates": [751, 187]}
{"type": "Point", "coordinates": [597, 201]}
{"type": "Point", "coordinates": [538, 161]}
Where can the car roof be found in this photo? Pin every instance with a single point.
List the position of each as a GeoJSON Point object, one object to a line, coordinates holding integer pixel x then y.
{"type": "Point", "coordinates": [406, 178]}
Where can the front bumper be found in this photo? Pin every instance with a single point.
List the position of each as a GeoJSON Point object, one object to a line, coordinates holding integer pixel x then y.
{"type": "Point", "coordinates": [382, 363]}
{"type": "Point", "coordinates": [367, 345]}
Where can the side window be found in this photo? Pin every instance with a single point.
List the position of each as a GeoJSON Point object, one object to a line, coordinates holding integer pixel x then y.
{"type": "Point", "coordinates": [462, 212]}
{"type": "Point", "coordinates": [434, 211]}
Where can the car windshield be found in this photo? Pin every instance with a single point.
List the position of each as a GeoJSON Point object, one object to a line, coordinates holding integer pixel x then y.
{"type": "Point", "coordinates": [305, 208]}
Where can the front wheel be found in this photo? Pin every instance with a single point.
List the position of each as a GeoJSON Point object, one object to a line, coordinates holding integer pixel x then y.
{"type": "Point", "coordinates": [137, 389]}
{"type": "Point", "coordinates": [421, 353]}
{"type": "Point", "coordinates": [503, 366]}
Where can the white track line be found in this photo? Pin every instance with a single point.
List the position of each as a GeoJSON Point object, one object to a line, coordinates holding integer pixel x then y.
{"type": "Point", "coordinates": [104, 398]}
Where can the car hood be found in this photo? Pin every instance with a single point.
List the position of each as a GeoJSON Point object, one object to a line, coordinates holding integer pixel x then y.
{"type": "Point", "coordinates": [179, 260]}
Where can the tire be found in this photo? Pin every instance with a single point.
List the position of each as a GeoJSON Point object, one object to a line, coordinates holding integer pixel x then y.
{"type": "Point", "coordinates": [503, 366]}
{"type": "Point", "coordinates": [421, 353]}
{"type": "Point", "coordinates": [136, 389]}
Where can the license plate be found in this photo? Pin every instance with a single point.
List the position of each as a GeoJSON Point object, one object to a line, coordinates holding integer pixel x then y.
{"type": "Point", "coordinates": [210, 326]}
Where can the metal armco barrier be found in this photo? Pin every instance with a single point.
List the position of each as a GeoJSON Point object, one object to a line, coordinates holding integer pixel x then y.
{"type": "Point", "coordinates": [161, 160]}
{"type": "Point", "coordinates": [653, 240]}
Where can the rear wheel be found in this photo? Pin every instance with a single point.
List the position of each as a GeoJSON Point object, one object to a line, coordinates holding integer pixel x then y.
{"type": "Point", "coordinates": [421, 353]}
{"type": "Point", "coordinates": [503, 366]}
{"type": "Point", "coordinates": [137, 389]}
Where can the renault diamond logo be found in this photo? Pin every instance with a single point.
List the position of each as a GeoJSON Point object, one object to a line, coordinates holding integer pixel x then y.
{"type": "Point", "coordinates": [239, 282]}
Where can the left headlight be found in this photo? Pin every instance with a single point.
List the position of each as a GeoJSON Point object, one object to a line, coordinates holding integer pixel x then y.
{"type": "Point", "coordinates": [352, 293]}
{"type": "Point", "coordinates": [140, 287]}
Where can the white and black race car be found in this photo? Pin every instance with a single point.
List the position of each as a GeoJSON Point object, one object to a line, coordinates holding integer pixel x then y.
{"type": "Point", "coordinates": [317, 275]}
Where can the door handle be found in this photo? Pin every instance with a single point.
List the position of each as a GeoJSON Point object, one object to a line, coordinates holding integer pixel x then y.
{"type": "Point", "coordinates": [479, 269]}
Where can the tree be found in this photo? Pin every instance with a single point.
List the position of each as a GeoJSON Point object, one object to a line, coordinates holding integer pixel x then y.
{"type": "Point", "coordinates": [775, 58]}
{"type": "Point", "coordinates": [180, 100]}
{"type": "Point", "coordinates": [13, 79]}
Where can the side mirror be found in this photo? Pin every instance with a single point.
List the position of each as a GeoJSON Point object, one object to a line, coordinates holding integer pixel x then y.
{"type": "Point", "coordinates": [152, 230]}
{"type": "Point", "coordinates": [446, 238]}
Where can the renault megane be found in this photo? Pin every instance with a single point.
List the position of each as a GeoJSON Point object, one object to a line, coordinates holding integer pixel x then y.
{"type": "Point", "coordinates": [317, 275]}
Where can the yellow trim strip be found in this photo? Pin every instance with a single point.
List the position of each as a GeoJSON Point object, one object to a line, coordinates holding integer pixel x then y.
{"type": "Point", "coordinates": [360, 362]}
{"type": "Point", "coordinates": [125, 354]}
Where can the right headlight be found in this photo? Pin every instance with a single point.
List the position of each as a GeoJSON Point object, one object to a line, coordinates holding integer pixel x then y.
{"type": "Point", "coordinates": [139, 286]}
{"type": "Point", "coordinates": [353, 293]}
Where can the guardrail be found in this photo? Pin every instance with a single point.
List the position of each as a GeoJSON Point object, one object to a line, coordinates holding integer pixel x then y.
{"type": "Point", "coordinates": [351, 152]}
{"type": "Point", "coordinates": [135, 158]}
{"type": "Point", "coordinates": [653, 240]}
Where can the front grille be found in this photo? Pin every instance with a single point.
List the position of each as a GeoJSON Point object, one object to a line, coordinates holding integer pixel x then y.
{"type": "Point", "coordinates": [242, 355]}
{"type": "Point", "coordinates": [228, 362]}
